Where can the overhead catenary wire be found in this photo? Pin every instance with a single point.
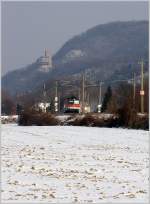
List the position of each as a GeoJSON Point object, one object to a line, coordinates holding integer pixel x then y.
{"type": "Point", "coordinates": [84, 86]}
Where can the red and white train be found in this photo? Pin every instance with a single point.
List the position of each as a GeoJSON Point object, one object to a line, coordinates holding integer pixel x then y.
{"type": "Point", "coordinates": [72, 105]}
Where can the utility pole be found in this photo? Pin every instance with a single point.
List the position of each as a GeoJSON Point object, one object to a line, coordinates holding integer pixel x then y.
{"type": "Point", "coordinates": [83, 92]}
{"type": "Point", "coordinates": [79, 94]}
{"type": "Point", "coordinates": [85, 97]}
{"type": "Point", "coordinates": [56, 97]}
{"type": "Point", "coordinates": [88, 98]}
{"type": "Point", "coordinates": [59, 102]}
{"type": "Point", "coordinates": [44, 97]}
{"type": "Point", "coordinates": [100, 97]}
{"type": "Point", "coordinates": [44, 92]}
{"type": "Point", "coordinates": [142, 86]}
{"type": "Point", "coordinates": [134, 90]}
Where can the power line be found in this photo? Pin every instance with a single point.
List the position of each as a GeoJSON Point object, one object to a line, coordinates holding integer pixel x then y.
{"type": "Point", "coordinates": [109, 82]}
{"type": "Point", "coordinates": [133, 80]}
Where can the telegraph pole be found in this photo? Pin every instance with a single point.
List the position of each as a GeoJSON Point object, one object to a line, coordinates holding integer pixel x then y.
{"type": "Point", "coordinates": [56, 97]}
{"type": "Point", "coordinates": [44, 97]}
{"type": "Point", "coordinates": [83, 92]}
{"type": "Point", "coordinates": [44, 92]}
{"type": "Point", "coordinates": [134, 90]}
{"type": "Point", "coordinates": [100, 97]}
{"type": "Point", "coordinates": [142, 86]}
{"type": "Point", "coordinates": [88, 98]}
{"type": "Point", "coordinates": [59, 102]}
{"type": "Point", "coordinates": [79, 94]}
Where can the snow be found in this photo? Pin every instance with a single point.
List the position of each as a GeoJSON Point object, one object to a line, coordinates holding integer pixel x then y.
{"type": "Point", "coordinates": [9, 116]}
{"type": "Point", "coordinates": [73, 54]}
{"type": "Point", "coordinates": [63, 118]}
{"type": "Point", "coordinates": [9, 119]}
{"type": "Point", "coordinates": [65, 164]}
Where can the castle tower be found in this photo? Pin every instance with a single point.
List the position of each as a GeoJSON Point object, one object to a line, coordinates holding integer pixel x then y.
{"type": "Point", "coordinates": [45, 62]}
{"type": "Point", "coordinates": [46, 53]}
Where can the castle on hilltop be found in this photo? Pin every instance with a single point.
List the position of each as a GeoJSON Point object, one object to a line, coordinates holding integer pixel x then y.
{"type": "Point", "coordinates": [45, 62]}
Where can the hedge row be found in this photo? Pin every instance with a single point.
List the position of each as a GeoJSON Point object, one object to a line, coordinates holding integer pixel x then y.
{"type": "Point", "coordinates": [28, 118]}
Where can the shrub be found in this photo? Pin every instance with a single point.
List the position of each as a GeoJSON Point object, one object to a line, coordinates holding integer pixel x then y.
{"type": "Point", "coordinates": [87, 120]}
{"type": "Point", "coordinates": [30, 117]}
{"type": "Point", "coordinates": [130, 119]}
{"type": "Point", "coordinates": [94, 121]}
{"type": "Point", "coordinates": [141, 123]}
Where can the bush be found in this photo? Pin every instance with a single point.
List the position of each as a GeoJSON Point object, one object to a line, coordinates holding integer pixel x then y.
{"type": "Point", "coordinates": [141, 123]}
{"type": "Point", "coordinates": [87, 120]}
{"type": "Point", "coordinates": [30, 117]}
{"type": "Point", "coordinates": [130, 119]}
{"type": "Point", "coordinates": [94, 121]}
{"type": "Point", "coordinates": [124, 119]}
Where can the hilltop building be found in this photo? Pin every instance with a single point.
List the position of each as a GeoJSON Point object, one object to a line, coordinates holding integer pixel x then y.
{"type": "Point", "coordinates": [45, 62]}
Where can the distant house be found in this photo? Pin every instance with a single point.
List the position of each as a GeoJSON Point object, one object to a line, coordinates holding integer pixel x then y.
{"type": "Point", "coordinates": [42, 106]}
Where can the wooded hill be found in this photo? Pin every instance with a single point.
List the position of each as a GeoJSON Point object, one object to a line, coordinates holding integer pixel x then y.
{"type": "Point", "coordinates": [106, 52]}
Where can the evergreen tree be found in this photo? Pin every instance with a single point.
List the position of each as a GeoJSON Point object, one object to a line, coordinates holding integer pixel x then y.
{"type": "Point", "coordinates": [19, 109]}
{"type": "Point", "coordinates": [107, 98]}
{"type": "Point", "coordinates": [112, 106]}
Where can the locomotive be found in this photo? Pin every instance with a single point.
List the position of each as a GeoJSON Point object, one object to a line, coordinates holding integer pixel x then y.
{"type": "Point", "coordinates": [72, 105]}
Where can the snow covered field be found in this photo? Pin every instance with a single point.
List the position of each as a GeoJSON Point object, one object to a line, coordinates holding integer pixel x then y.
{"type": "Point", "coordinates": [74, 164]}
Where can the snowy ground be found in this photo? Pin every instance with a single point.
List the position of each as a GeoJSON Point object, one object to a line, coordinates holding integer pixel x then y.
{"type": "Point", "coordinates": [74, 164]}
